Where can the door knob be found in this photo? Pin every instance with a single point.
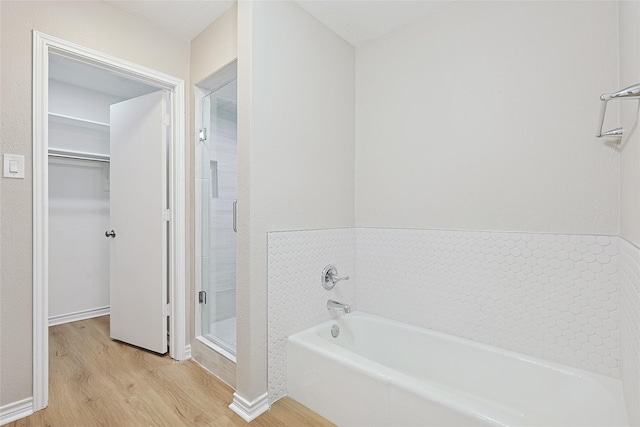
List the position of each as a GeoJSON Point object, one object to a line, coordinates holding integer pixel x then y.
{"type": "Point", "coordinates": [110, 233]}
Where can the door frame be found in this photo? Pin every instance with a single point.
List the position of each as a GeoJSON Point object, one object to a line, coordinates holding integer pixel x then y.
{"type": "Point", "coordinates": [43, 45]}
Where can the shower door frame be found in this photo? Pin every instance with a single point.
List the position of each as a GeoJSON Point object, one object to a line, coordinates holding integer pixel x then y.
{"type": "Point", "coordinates": [216, 80]}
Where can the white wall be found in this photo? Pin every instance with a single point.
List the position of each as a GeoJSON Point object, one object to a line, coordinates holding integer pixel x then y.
{"type": "Point", "coordinates": [215, 47]}
{"type": "Point", "coordinates": [630, 147]}
{"type": "Point", "coordinates": [95, 25]}
{"type": "Point", "coordinates": [295, 134]}
{"type": "Point", "coordinates": [78, 249]}
{"type": "Point", "coordinates": [482, 117]}
{"type": "Point", "coordinates": [629, 14]}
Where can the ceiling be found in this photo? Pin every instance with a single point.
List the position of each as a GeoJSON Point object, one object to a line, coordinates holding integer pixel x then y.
{"type": "Point", "coordinates": [361, 21]}
{"type": "Point", "coordinates": [184, 18]}
{"type": "Point", "coordinates": [356, 21]}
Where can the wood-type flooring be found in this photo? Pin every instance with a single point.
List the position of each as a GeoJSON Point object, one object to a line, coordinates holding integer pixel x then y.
{"type": "Point", "coordinates": [95, 381]}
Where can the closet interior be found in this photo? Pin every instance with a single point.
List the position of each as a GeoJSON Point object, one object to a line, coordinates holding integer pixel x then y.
{"type": "Point", "coordinates": [80, 97]}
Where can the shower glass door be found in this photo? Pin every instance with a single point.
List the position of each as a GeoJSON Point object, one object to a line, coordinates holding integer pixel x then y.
{"type": "Point", "coordinates": [219, 157]}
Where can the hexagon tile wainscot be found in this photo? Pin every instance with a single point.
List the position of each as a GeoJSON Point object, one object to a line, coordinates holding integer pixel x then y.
{"type": "Point", "coordinates": [549, 296]}
{"type": "Point", "coordinates": [296, 298]}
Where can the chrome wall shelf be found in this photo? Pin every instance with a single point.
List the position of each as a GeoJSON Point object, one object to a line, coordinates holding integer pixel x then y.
{"type": "Point", "coordinates": [631, 92]}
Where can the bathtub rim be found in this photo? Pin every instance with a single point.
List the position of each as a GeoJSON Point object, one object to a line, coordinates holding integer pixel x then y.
{"type": "Point", "coordinates": [465, 402]}
{"type": "Point", "coordinates": [298, 337]}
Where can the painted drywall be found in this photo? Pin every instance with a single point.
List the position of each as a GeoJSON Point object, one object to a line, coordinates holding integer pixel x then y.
{"type": "Point", "coordinates": [482, 117]}
{"type": "Point", "coordinates": [629, 13]}
{"type": "Point", "coordinates": [295, 134]}
{"type": "Point", "coordinates": [215, 47]}
{"type": "Point", "coordinates": [95, 25]}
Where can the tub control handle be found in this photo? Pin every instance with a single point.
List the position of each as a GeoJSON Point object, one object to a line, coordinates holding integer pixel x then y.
{"type": "Point", "coordinates": [330, 277]}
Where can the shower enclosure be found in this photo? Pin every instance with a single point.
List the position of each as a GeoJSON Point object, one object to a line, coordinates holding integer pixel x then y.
{"type": "Point", "coordinates": [217, 157]}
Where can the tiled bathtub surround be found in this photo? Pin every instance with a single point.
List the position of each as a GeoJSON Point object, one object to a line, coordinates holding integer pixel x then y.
{"type": "Point", "coordinates": [296, 298]}
{"type": "Point", "coordinates": [549, 296]}
{"type": "Point", "coordinates": [630, 328]}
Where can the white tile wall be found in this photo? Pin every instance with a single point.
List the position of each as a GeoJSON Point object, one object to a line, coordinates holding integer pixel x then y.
{"type": "Point", "coordinates": [550, 296]}
{"type": "Point", "coordinates": [296, 298]}
{"type": "Point", "coordinates": [223, 149]}
{"type": "Point", "coordinates": [630, 328]}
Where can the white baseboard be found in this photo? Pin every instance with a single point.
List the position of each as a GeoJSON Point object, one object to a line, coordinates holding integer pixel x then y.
{"type": "Point", "coordinates": [78, 315]}
{"type": "Point", "coordinates": [249, 411]}
{"type": "Point", "coordinates": [16, 410]}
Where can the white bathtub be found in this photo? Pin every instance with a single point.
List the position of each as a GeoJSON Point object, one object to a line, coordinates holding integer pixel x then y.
{"type": "Point", "coordinates": [378, 372]}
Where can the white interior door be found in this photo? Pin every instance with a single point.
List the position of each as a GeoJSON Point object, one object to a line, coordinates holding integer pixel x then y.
{"type": "Point", "coordinates": [138, 252]}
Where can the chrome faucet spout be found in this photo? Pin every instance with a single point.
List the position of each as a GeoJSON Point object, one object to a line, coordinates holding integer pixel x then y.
{"type": "Point", "coordinates": [338, 306]}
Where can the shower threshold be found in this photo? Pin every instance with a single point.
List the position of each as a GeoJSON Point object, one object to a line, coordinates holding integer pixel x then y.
{"type": "Point", "coordinates": [223, 335]}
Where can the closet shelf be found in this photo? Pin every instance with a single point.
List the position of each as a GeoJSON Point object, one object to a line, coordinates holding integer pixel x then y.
{"type": "Point", "coordinates": [79, 122]}
{"type": "Point", "coordinates": [79, 155]}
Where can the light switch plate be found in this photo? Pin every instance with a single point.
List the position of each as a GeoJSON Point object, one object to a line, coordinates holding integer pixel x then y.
{"type": "Point", "coordinates": [13, 166]}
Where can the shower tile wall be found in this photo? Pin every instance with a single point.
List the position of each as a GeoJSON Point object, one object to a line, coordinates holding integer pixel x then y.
{"type": "Point", "coordinates": [222, 171]}
{"type": "Point", "coordinates": [550, 296]}
{"type": "Point", "coordinates": [630, 328]}
{"type": "Point", "coordinates": [296, 298]}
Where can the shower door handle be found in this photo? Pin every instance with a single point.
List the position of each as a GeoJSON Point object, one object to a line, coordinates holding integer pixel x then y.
{"type": "Point", "coordinates": [235, 211]}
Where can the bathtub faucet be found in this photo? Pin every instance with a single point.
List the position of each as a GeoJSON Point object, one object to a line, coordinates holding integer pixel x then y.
{"type": "Point", "coordinates": [338, 306]}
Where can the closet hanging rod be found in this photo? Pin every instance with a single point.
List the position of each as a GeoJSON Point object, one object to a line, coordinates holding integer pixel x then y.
{"type": "Point", "coordinates": [79, 155]}
{"type": "Point", "coordinates": [631, 92]}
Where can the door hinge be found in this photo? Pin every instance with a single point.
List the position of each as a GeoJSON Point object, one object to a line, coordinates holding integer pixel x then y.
{"type": "Point", "coordinates": [166, 214]}
{"type": "Point", "coordinates": [202, 297]}
{"type": "Point", "coordinates": [166, 310]}
{"type": "Point", "coordinates": [202, 135]}
{"type": "Point", "coordinates": [166, 120]}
